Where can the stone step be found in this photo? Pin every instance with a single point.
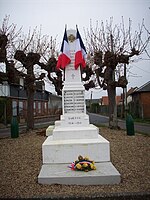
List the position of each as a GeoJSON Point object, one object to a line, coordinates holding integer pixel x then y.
{"type": "Point", "coordinates": [64, 151]}
{"type": "Point", "coordinates": [105, 173]}
{"type": "Point", "coordinates": [78, 132]}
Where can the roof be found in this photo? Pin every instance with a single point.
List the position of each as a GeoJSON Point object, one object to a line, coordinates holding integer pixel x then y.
{"type": "Point", "coordinates": [131, 90]}
{"type": "Point", "coordinates": [144, 88]}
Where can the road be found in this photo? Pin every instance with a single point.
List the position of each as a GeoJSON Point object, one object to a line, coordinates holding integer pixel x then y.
{"type": "Point", "coordinates": [94, 119]}
{"type": "Point", "coordinates": [103, 120]}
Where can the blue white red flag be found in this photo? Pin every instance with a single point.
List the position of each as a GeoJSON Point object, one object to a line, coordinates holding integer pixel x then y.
{"type": "Point", "coordinates": [64, 57]}
{"type": "Point", "coordinates": [80, 52]}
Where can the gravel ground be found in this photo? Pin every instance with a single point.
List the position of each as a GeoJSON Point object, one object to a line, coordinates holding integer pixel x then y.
{"type": "Point", "coordinates": [21, 162]}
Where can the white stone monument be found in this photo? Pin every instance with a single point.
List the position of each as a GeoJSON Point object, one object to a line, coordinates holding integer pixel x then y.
{"type": "Point", "coordinates": [73, 136]}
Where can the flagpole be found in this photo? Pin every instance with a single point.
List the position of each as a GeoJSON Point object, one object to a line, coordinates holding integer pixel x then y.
{"type": "Point", "coordinates": [64, 68]}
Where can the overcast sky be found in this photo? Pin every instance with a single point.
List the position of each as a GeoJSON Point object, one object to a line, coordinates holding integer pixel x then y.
{"type": "Point", "coordinates": [52, 15]}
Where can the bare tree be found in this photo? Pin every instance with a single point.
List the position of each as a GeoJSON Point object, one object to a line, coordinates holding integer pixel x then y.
{"type": "Point", "coordinates": [36, 50]}
{"type": "Point", "coordinates": [109, 46]}
{"type": "Point", "coordinates": [30, 50]}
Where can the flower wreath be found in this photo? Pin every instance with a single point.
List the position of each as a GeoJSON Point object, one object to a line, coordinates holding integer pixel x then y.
{"type": "Point", "coordinates": [83, 164]}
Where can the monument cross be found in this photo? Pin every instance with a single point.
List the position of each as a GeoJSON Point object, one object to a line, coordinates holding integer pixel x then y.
{"type": "Point", "coordinates": [73, 76]}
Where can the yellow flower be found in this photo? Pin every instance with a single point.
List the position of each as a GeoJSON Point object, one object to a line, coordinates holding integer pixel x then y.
{"type": "Point", "coordinates": [86, 158]}
{"type": "Point", "coordinates": [85, 165]}
{"type": "Point", "coordinates": [94, 167]}
{"type": "Point", "coordinates": [78, 166]}
{"type": "Point", "coordinates": [91, 166]}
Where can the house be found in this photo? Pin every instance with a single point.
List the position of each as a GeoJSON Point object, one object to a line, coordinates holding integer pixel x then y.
{"type": "Point", "coordinates": [13, 102]}
{"type": "Point", "coordinates": [129, 94]}
{"type": "Point", "coordinates": [104, 100]}
{"type": "Point", "coordinates": [140, 106]}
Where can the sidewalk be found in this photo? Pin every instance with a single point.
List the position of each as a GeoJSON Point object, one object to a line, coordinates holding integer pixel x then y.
{"type": "Point", "coordinates": [6, 132]}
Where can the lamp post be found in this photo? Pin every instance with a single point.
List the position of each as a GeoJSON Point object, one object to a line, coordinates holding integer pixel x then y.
{"type": "Point", "coordinates": [91, 102]}
{"type": "Point", "coordinates": [125, 94]}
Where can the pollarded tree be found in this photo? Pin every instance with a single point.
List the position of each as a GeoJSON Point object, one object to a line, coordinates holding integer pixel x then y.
{"type": "Point", "coordinates": [37, 55]}
{"type": "Point", "coordinates": [30, 50]}
{"type": "Point", "coordinates": [109, 46]}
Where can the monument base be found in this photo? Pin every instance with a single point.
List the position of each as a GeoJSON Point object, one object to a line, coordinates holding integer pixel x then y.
{"type": "Point", "coordinates": [66, 151]}
{"type": "Point", "coordinates": [86, 132]}
{"type": "Point", "coordinates": [105, 173]}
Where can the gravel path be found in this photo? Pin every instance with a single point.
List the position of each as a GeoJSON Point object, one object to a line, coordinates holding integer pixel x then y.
{"type": "Point", "coordinates": [21, 161]}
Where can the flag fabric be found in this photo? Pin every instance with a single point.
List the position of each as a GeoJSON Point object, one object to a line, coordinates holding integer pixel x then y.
{"type": "Point", "coordinates": [64, 57]}
{"type": "Point", "coordinates": [80, 52]}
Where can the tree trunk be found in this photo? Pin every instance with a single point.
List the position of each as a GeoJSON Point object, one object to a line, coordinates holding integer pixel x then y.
{"type": "Point", "coordinates": [30, 109]}
{"type": "Point", "coordinates": [111, 90]}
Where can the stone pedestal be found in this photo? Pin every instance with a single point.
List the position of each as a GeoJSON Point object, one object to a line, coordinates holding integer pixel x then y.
{"type": "Point", "coordinates": [66, 151]}
{"type": "Point", "coordinates": [61, 174]}
{"type": "Point", "coordinates": [73, 136]}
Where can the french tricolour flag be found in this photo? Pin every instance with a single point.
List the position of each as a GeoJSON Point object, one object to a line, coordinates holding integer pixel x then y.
{"type": "Point", "coordinates": [80, 52]}
{"type": "Point", "coordinates": [64, 57]}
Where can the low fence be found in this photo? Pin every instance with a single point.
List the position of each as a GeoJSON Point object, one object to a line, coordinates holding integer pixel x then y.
{"type": "Point", "coordinates": [50, 118]}
{"type": "Point", "coordinates": [103, 109]}
{"type": "Point", "coordinates": [135, 110]}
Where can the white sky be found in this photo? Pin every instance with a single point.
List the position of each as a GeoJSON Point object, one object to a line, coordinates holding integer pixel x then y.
{"type": "Point", "coordinates": [52, 15]}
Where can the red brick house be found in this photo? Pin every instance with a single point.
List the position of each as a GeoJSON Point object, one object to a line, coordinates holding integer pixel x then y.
{"type": "Point", "coordinates": [141, 101]}
{"type": "Point", "coordinates": [104, 100]}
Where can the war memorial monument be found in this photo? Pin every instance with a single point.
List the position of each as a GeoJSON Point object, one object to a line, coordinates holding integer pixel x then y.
{"type": "Point", "coordinates": [73, 135]}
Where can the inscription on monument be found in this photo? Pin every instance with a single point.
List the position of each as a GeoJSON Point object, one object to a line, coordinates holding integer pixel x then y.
{"type": "Point", "coordinates": [73, 101]}
{"type": "Point", "coordinates": [74, 120]}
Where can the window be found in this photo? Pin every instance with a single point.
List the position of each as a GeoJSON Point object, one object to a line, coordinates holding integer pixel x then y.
{"type": "Point", "coordinates": [39, 107]}
{"type": "Point", "coordinates": [21, 108]}
{"type": "Point", "coordinates": [34, 106]}
{"type": "Point", "coordinates": [14, 108]}
{"type": "Point", "coordinates": [45, 107]}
